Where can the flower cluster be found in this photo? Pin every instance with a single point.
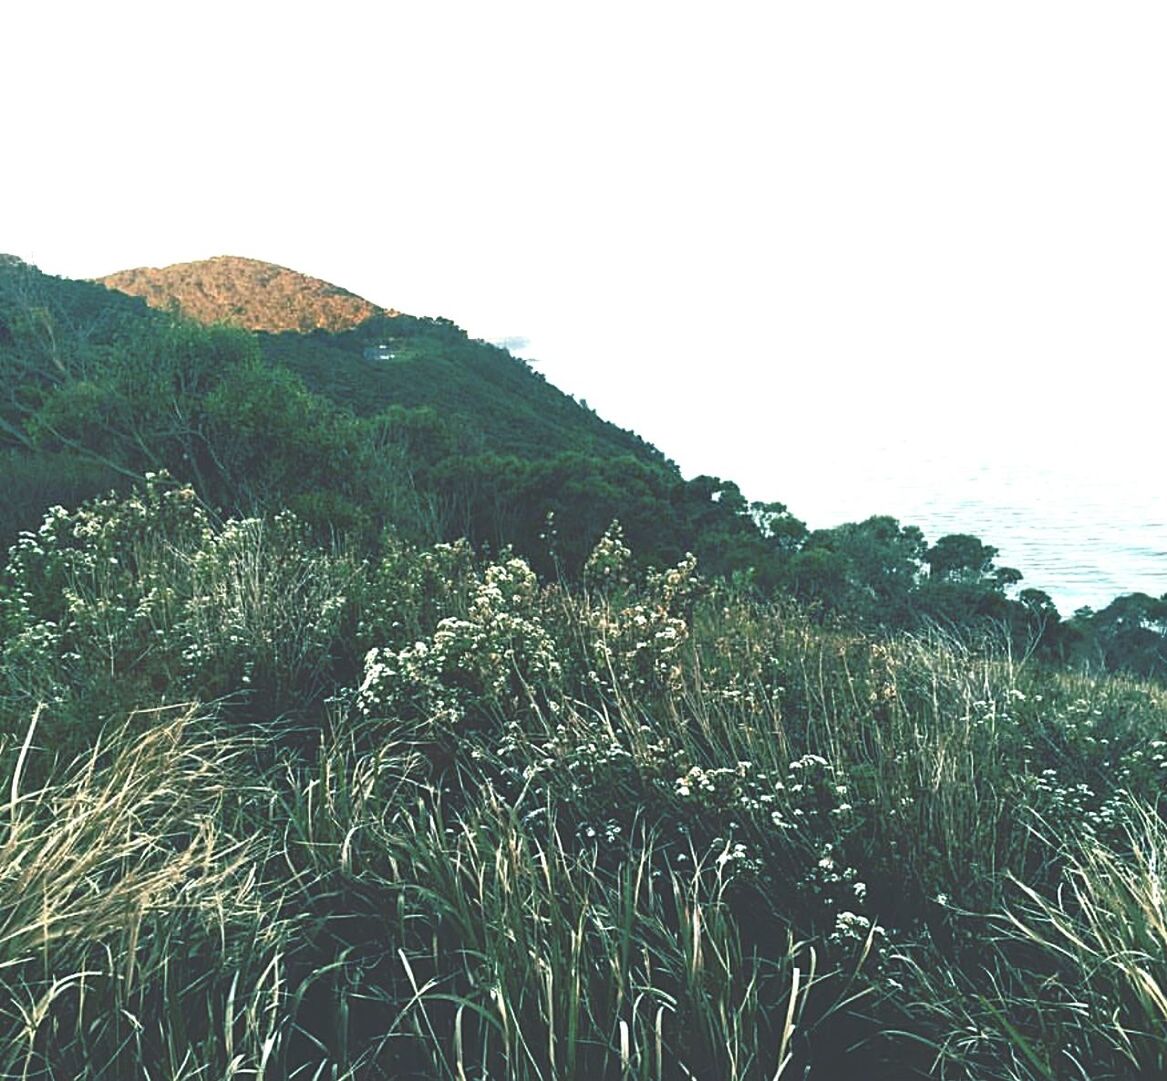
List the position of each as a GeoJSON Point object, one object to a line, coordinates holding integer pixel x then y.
{"type": "Point", "coordinates": [266, 609]}
{"type": "Point", "coordinates": [407, 592]}
{"type": "Point", "coordinates": [808, 797]}
{"type": "Point", "coordinates": [490, 660]}
{"type": "Point", "coordinates": [131, 598]}
{"type": "Point", "coordinates": [607, 567]}
{"type": "Point", "coordinates": [92, 595]}
{"type": "Point", "coordinates": [1085, 755]}
{"type": "Point", "coordinates": [637, 647]}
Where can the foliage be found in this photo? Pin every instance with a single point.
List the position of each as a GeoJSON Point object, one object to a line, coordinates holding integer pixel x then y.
{"type": "Point", "coordinates": [494, 401]}
{"type": "Point", "coordinates": [400, 718]}
{"type": "Point", "coordinates": [868, 568]}
{"type": "Point", "coordinates": [439, 818]}
{"type": "Point", "coordinates": [1129, 633]}
{"type": "Point", "coordinates": [35, 480]}
{"type": "Point", "coordinates": [126, 603]}
{"type": "Point", "coordinates": [408, 424]}
{"type": "Point", "coordinates": [484, 663]}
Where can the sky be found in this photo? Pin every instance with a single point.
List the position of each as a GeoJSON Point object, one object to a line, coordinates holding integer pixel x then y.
{"type": "Point", "coordinates": [775, 239]}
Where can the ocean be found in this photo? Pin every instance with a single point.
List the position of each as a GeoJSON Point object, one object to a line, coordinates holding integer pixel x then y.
{"type": "Point", "coordinates": [1063, 474]}
{"type": "Point", "coordinates": [1084, 528]}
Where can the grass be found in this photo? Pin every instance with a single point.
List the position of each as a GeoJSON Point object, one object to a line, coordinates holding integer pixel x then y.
{"type": "Point", "coordinates": [653, 830]}
{"type": "Point", "coordinates": [133, 928]}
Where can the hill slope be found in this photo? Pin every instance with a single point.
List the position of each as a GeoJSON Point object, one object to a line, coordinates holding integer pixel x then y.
{"type": "Point", "coordinates": [247, 293]}
{"type": "Point", "coordinates": [393, 418]}
{"type": "Point", "coordinates": [369, 358]}
{"type": "Point", "coordinates": [407, 423]}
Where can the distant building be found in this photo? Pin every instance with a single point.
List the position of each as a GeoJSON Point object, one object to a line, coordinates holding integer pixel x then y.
{"type": "Point", "coordinates": [378, 352]}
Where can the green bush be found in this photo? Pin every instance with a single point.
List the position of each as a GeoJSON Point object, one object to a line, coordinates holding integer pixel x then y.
{"type": "Point", "coordinates": [130, 602]}
{"type": "Point", "coordinates": [480, 666]}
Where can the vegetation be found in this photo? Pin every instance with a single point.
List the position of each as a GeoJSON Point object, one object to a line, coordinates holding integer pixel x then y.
{"type": "Point", "coordinates": [280, 810]}
{"type": "Point", "coordinates": [246, 293]}
{"type": "Point", "coordinates": [367, 745]}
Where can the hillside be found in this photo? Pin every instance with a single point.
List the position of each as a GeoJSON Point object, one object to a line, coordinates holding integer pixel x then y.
{"type": "Point", "coordinates": [496, 401]}
{"type": "Point", "coordinates": [407, 424]}
{"type": "Point", "coordinates": [247, 293]}
{"type": "Point", "coordinates": [369, 358]}
{"type": "Point", "coordinates": [397, 420]}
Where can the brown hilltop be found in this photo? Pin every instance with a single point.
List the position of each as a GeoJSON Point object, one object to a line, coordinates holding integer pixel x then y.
{"type": "Point", "coordinates": [246, 293]}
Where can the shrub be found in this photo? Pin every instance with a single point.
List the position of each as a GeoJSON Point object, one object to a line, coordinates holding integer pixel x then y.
{"type": "Point", "coordinates": [268, 614]}
{"type": "Point", "coordinates": [471, 668]}
{"type": "Point", "coordinates": [89, 605]}
{"type": "Point", "coordinates": [128, 602]}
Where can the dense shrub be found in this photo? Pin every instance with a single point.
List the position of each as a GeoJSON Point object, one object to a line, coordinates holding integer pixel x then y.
{"type": "Point", "coordinates": [131, 602]}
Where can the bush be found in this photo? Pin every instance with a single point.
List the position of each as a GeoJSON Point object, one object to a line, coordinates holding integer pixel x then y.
{"type": "Point", "coordinates": [470, 669]}
{"type": "Point", "coordinates": [129, 602]}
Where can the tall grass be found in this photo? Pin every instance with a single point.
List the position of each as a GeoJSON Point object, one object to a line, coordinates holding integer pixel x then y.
{"type": "Point", "coordinates": [649, 829]}
{"type": "Point", "coordinates": [534, 962]}
{"type": "Point", "coordinates": [132, 927]}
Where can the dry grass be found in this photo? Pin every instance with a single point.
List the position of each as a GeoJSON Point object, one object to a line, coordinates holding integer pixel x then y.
{"type": "Point", "coordinates": [246, 293]}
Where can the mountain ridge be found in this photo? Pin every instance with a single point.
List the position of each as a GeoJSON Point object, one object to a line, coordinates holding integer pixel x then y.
{"type": "Point", "coordinates": [248, 293]}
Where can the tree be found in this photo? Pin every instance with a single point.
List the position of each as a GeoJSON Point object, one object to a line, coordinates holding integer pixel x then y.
{"type": "Point", "coordinates": [879, 562]}
{"type": "Point", "coordinates": [1130, 633]}
{"type": "Point", "coordinates": [960, 557]}
{"type": "Point", "coordinates": [143, 408]}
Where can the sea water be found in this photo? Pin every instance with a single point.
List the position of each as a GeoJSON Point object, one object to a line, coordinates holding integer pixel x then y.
{"type": "Point", "coordinates": [1083, 527]}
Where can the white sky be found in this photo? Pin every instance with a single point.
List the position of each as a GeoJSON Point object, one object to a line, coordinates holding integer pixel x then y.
{"type": "Point", "coordinates": [768, 237]}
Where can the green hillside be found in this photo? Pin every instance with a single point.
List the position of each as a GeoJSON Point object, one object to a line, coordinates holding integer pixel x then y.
{"type": "Point", "coordinates": [406, 425]}
{"type": "Point", "coordinates": [399, 422]}
{"type": "Point", "coordinates": [498, 402]}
